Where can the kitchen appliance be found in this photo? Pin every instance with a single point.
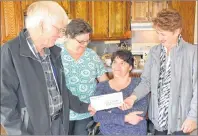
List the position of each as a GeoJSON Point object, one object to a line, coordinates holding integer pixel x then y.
{"type": "Point", "coordinates": [139, 59]}
{"type": "Point", "coordinates": [140, 56]}
{"type": "Point", "coordinates": [123, 46]}
{"type": "Point", "coordinates": [106, 58]}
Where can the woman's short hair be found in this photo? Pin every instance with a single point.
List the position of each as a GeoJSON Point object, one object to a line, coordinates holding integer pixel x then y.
{"type": "Point", "coordinates": [47, 11]}
{"type": "Point", "coordinates": [168, 20]}
{"type": "Point", "coordinates": [77, 27]}
{"type": "Point", "coordinates": [125, 55]}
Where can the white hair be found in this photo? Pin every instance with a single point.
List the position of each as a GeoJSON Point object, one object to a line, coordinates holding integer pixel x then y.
{"type": "Point", "coordinates": [46, 11]}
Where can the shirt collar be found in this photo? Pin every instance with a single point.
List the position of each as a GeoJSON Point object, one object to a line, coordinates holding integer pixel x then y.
{"type": "Point", "coordinates": [177, 45]}
{"type": "Point", "coordinates": [33, 48]}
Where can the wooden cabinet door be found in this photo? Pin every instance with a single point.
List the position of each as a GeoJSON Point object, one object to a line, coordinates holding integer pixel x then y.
{"type": "Point", "coordinates": [187, 11]}
{"type": "Point", "coordinates": [155, 7]}
{"type": "Point", "coordinates": [119, 19]}
{"type": "Point", "coordinates": [11, 20]}
{"type": "Point", "coordinates": [66, 6]}
{"type": "Point", "coordinates": [99, 14]}
{"type": "Point", "coordinates": [140, 11]}
{"type": "Point", "coordinates": [79, 9]}
{"type": "Point", "coordinates": [25, 4]}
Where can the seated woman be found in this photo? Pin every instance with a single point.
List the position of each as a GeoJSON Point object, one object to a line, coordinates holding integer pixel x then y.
{"type": "Point", "coordinates": [115, 121]}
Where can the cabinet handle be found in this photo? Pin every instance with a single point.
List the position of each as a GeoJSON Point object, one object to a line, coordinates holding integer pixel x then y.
{"type": "Point", "coordinates": [147, 15]}
{"type": "Point", "coordinates": [150, 14]}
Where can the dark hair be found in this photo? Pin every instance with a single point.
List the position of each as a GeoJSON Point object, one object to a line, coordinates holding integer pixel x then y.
{"type": "Point", "coordinates": [124, 55]}
{"type": "Point", "coordinates": [77, 27]}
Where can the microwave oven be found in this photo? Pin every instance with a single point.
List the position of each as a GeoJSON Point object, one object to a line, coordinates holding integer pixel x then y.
{"type": "Point", "coordinates": [139, 59]}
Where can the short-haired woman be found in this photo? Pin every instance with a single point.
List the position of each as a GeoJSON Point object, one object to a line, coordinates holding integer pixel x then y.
{"type": "Point", "coordinates": [82, 66]}
{"type": "Point", "coordinates": [170, 74]}
{"type": "Point", "coordinates": [114, 121]}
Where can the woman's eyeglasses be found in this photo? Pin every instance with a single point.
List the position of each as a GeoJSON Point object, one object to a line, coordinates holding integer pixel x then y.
{"type": "Point", "coordinates": [82, 42]}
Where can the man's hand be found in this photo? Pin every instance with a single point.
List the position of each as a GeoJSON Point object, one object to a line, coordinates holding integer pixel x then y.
{"type": "Point", "coordinates": [91, 110]}
{"type": "Point", "coordinates": [188, 126]}
{"type": "Point", "coordinates": [133, 117]}
{"type": "Point", "coordinates": [128, 102]}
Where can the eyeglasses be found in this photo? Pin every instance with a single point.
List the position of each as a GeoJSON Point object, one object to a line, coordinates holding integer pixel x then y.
{"type": "Point", "coordinates": [82, 42]}
{"type": "Point", "coordinates": [59, 30]}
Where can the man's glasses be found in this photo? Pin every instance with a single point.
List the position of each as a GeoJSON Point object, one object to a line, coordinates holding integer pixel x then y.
{"type": "Point", "coordinates": [59, 30]}
{"type": "Point", "coordinates": [82, 42]}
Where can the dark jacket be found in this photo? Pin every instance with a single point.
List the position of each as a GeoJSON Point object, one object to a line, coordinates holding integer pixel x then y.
{"type": "Point", "coordinates": [24, 97]}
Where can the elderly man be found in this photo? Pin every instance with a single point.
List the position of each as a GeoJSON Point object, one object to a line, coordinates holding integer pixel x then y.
{"type": "Point", "coordinates": [34, 98]}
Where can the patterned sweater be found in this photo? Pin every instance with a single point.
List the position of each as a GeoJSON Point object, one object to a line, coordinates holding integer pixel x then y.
{"type": "Point", "coordinates": [112, 120]}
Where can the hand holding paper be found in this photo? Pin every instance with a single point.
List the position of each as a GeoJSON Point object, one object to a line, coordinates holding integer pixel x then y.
{"type": "Point", "coordinates": [107, 101]}
{"type": "Point", "coordinates": [91, 110]}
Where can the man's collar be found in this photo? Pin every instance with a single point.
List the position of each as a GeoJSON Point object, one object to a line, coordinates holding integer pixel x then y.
{"type": "Point", "coordinates": [25, 50]}
{"type": "Point", "coordinates": [33, 48]}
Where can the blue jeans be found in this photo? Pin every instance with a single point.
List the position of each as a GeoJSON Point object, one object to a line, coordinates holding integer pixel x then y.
{"type": "Point", "coordinates": [78, 127]}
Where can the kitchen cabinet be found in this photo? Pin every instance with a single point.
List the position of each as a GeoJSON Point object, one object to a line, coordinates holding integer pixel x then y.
{"type": "Point", "coordinates": [99, 21]}
{"type": "Point", "coordinates": [139, 11]}
{"type": "Point", "coordinates": [155, 7]}
{"type": "Point", "coordinates": [80, 9]}
{"type": "Point", "coordinates": [144, 11]}
{"type": "Point", "coordinates": [119, 19]}
{"type": "Point", "coordinates": [187, 11]}
{"type": "Point", "coordinates": [109, 19]}
{"type": "Point", "coordinates": [65, 4]}
{"type": "Point", "coordinates": [112, 21]}
{"type": "Point", "coordinates": [11, 17]}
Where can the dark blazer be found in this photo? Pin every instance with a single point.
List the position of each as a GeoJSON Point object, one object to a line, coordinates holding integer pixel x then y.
{"type": "Point", "coordinates": [24, 97]}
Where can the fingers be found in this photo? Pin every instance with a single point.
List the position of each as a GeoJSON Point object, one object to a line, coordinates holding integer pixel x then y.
{"type": "Point", "coordinates": [120, 107]}
{"type": "Point", "coordinates": [128, 103]}
{"type": "Point", "coordinates": [138, 112]}
{"type": "Point", "coordinates": [187, 126]}
{"type": "Point", "coordinates": [189, 129]}
{"type": "Point", "coordinates": [91, 110]}
{"type": "Point", "coordinates": [140, 118]}
{"type": "Point", "coordinates": [136, 121]}
{"type": "Point", "coordinates": [92, 113]}
{"type": "Point", "coordinates": [182, 128]}
{"type": "Point", "coordinates": [186, 129]}
{"type": "Point", "coordinates": [124, 106]}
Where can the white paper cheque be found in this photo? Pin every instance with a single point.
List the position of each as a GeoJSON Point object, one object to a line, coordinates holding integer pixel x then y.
{"type": "Point", "coordinates": [106, 101]}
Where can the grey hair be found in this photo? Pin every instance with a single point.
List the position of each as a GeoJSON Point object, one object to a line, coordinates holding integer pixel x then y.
{"type": "Point", "coordinates": [47, 11]}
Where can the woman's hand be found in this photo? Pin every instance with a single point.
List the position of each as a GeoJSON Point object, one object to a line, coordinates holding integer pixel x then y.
{"type": "Point", "coordinates": [91, 110]}
{"type": "Point", "coordinates": [128, 102]}
{"type": "Point", "coordinates": [188, 126]}
{"type": "Point", "coordinates": [133, 117]}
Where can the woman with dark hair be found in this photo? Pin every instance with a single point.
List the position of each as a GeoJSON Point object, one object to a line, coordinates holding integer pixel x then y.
{"type": "Point", "coordinates": [114, 121]}
{"type": "Point", "coordinates": [82, 66]}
